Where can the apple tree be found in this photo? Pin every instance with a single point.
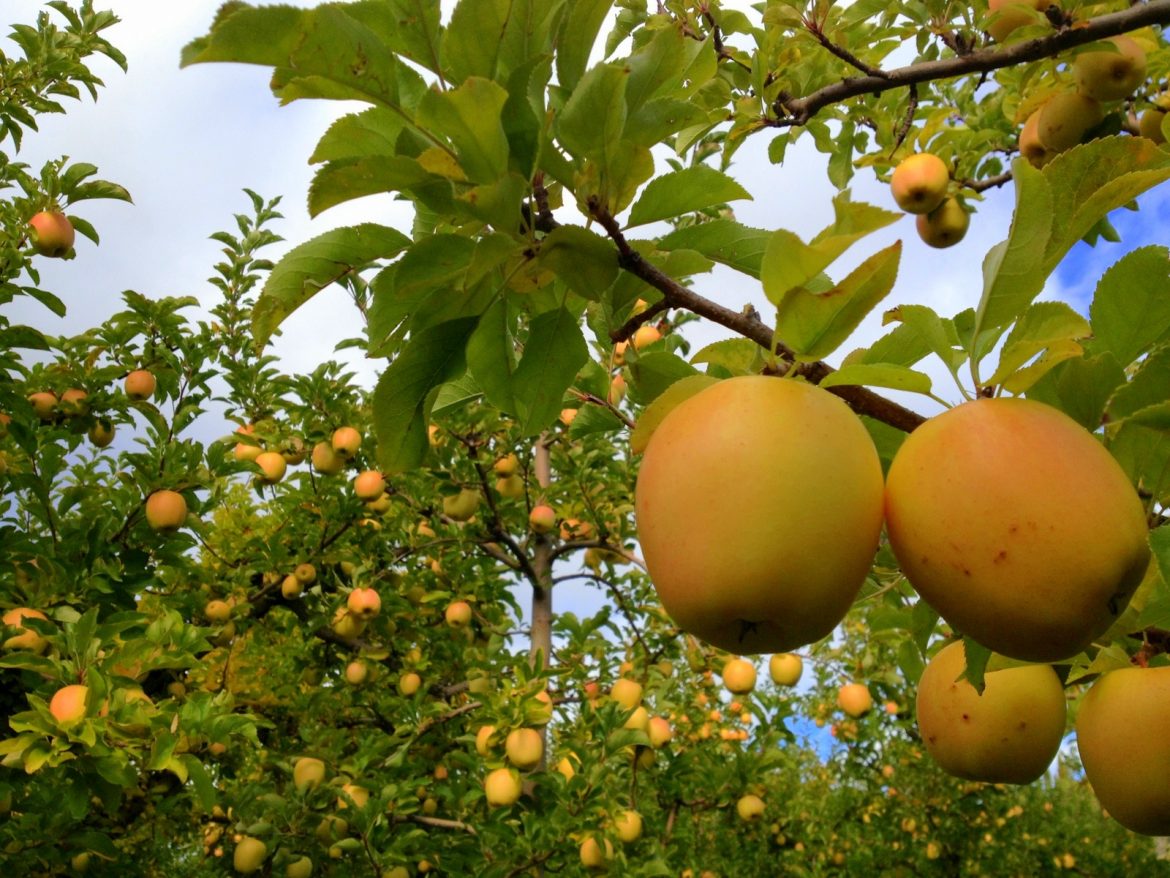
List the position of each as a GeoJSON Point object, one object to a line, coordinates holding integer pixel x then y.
{"type": "Point", "coordinates": [284, 625]}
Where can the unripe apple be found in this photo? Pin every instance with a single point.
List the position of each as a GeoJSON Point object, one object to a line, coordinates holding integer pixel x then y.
{"type": "Point", "coordinates": [1037, 154]}
{"type": "Point", "coordinates": [767, 445]}
{"type": "Point", "coordinates": [1013, 14]}
{"type": "Point", "coordinates": [1066, 118]}
{"type": "Point", "coordinates": [80, 862]}
{"type": "Point", "coordinates": [369, 485]}
{"type": "Point", "coordinates": [44, 404]}
{"type": "Point", "coordinates": [977, 512]}
{"type": "Point", "coordinates": [332, 828]}
{"type": "Point", "coordinates": [1111, 75]}
{"type": "Point", "coordinates": [628, 826]}
{"type": "Point", "coordinates": [302, 867]}
{"type": "Point", "coordinates": [249, 855]}
{"type": "Point", "coordinates": [346, 624]}
{"type": "Point", "coordinates": [644, 336]}
{"type": "Point", "coordinates": [217, 612]}
{"type": "Point", "coordinates": [542, 519]}
{"type": "Point", "coordinates": [458, 614]}
{"type": "Point", "coordinates": [272, 467]}
{"type": "Point", "coordinates": [409, 683]}
{"type": "Point", "coordinates": [166, 510]}
{"type": "Point", "coordinates": [739, 676]}
{"type": "Point", "coordinates": [511, 487]}
{"type": "Point", "coordinates": [27, 639]}
{"type": "Point", "coordinates": [749, 807]}
{"type": "Point", "coordinates": [595, 857]}
{"type": "Point", "coordinates": [659, 732]}
{"type": "Point", "coordinates": [944, 226]}
{"type": "Point", "coordinates": [507, 466]}
{"type": "Point", "coordinates": [919, 183]}
{"type": "Point", "coordinates": [325, 460]}
{"type": "Point", "coordinates": [524, 748]}
{"type": "Point", "coordinates": [397, 872]}
{"type": "Point", "coordinates": [627, 693]}
{"type": "Point", "coordinates": [364, 603]}
{"type": "Point", "coordinates": [140, 384]}
{"type": "Point", "coordinates": [308, 773]}
{"type": "Point", "coordinates": [1009, 734]}
{"type": "Point", "coordinates": [68, 704]}
{"type": "Point", "coordinates": [1150, 124]}
{"type": "Point", "coordinates": [72, 402]}
{"type": "Point", "coordinates": [356, 673]}
{"type": "Point", "coordinates": [461, 506]}
{"type": "Point", "coordinates": [52, 234]}
{"type": "Point", "coordinates": [485, 740]}
{"type": "Point", "coordinates": [346, 442]}
{"type": "Point", "coordinates": [854, 699]}
{"type": "Point", "coordinates": [101, 433]}
{"type": "Point", "coordinates": [502, 787]}
{"type": "Point", "coordinates": [785, 669]}
{"type": "Point", "coordinates": [1120, 736]}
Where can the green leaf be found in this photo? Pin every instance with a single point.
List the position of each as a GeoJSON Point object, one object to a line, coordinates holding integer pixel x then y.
{"type": "Point", "coordinates": [579, 30]}
{"type": "Point", "coordinates": [585, 261]}
{"type": "Point", "coordinates": [373, 132]}
{"type": "Point", "coordinates": [1080, 388]}
{"type": "Point", "coordinates": [653, 372]}
{"type": "Point", "coordinates": [594, 419]}
{"type": "Point", "coordinates": [592, 120]}
{"type": "Point", "coordinates": [656, 66]}
{"type": "Point", "coordinates": [1149, 386]}
{"type": "Point", "coordinates": [663, 404]}
{"type": "Point", "coordinates": [554, 351]}
{"type": "Point", "coordinates": [346, 179]}
{"type": "Point", "coordinates": [1042, 326]}
{"type": "Point", "coordinates": [468, 117]}
{"type": "Point", "coordinates": [684, 191]}
{"type": "Point", "coordinates": [815, 324]}
{"type": "Point", "coordinates": [471, 42]}
{"type": "Point", "coordinates": [1144, 453]}
{"type": "Point", "coordinates": [725, 241]}
{"type": "Point", "coordinates": [738, 356]}
{"type": "Point", "coordinates": [432, 357]}
{"type": "Point", "coordinates": [976, 656]}
{"type": "Point", "coordinates": [1160, 546]}
{"type": "Point", "coordinates": [491, 357]}
{"type": "Point", "coordinates": [1131, 307]}
{"type": "Point", "coordinates": [409, 27]}
{"type": "Point", "coordinates": [888, 375]}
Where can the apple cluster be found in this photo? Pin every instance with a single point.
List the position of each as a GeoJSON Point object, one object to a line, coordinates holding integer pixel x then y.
{"type": "Point", "coordinates": [921, 185]}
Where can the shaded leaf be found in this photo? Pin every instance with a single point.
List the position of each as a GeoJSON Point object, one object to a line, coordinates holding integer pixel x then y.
{"type": "Point", "coordinates": [684, 191]}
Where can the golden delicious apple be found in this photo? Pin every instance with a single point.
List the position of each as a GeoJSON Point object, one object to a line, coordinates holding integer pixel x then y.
{"type": "Point", "coordinates": [291, 587]}
{"type": "Point", "coordinates": [1113, 74]}
{"type": "Point", "coordinates": [308, 773]}
{"type": "Point", "coordinates": [749, 807]}
{"type": "Point", "coordinates": [44, 403]}
{"type": "Point", "coordinates": [356, 673]}
{"type": "Point", "coordinates": [944, 226]}
{"type": "Point", "coordinates": [502, 787]}
{"type": "Point", "coordinates": [1150, 124]}
{"type": "Point", "coordinates": [978, 504]}
{"type": "Point", "coordinates": [593, 856]}
{"type": "Point", "coordinates": [140, 384]}
{"type": "Point", "coordinates": [629, 826]}
{"type": "Point", "coordinates": [739, 676]}
{"type": "Point", "coordinates": [301, 867]}
{"type": "Point", "coordinates": [1120, 736]}
{"type": "Point", "coordinates": [358, 794]}
{"type": "Point", "coordinates": [101, 433]}
{"type": "Point", "coordinates": [542, 519]}
{"type": "Point", "coordinates": [306, 573]}
{"type": "Point", "coordinates": [785, 669]}
{"type": "Point", "coordinates": [524, 748]}
{"type": "Point", "coordinates": [325, 460]}
{"type": "Point", "coordinates": [511, 487]}
{"type": "Point", "coordinates": [166, 510]}
{"type": "Point", "coordinates": [458, 614]}
{"type": "Point", "coordinates": [369, 485]}
{"type": "Point", "coordinates": [644, 336]}
{"type": "Point", "coordinates": [52, 234]}
{"type": "Point", "coordinates": [1009, 15]}
{"type": "Point", "coordinates": [272, 467]}
{"type": "Point", "coordinates": [659, 732]}
{"type": "Point", "coordinates": [854, 699]}
{"type": "Point", "coordinates": [485, 740]}
{"type": "Point", "coordinates": [27, 638]}
{"type": "Point", "coordinates": [1009, 734]}
{"type": "Point", "coordinates": [507, 466]}
{"type": "Point", "coordinates": [363, 603]}
{"type": "Point", "coordinates": [627, 693]}
{"type": "Point", "coordinates": [345, 442]}
{"type": "Point", "coordinates": [72, 402]}
{"type": "Point", "coordinates": [1037, 154]}
{"type": "Point", "coordinates": [919, 183]}
{"type": "Point", "coordinates": [770, 446]}
{"type": "Point", "coordinates": [1065, 119]}
{"type": "Point", "coordinates": [461, 506]}
{"type": "Point", "coordinates": [68, 704]}
{"type": "Point", "coordinates": [249, 855]}
{"type": "Point", "coordinates": [567, 416]}
{"type": "Point", "coordinates": [346, 624]}
{"type": "Point", "coordinates": [409, 683]}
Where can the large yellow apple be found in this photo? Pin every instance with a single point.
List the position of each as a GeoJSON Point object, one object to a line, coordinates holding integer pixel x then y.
{"type": "Point", "coordinates": [1113, 74]}
{"type": "Point", "coordinates": [325, 460]}
{"type": "Point", "coordinates": [461, 506]}
{"type": "Point", "coordinates": [749, 807]}
{"type": "Point", "coordinates": [1017, 526]}
{"type": "Point", "coordinates": [1065, 119]}
{"type": "Point", "coordinates": [502, 787]}
{"type": "Point", "coordinates": [68, 704]}
{"type": "Point", "coordinates": [249, 855]}
{"type": "Point", "coordinates": [629, 826]}
{"type": "Point", "coordinates": [594, 857]}
{"type": "Point", "coordinates": [1012, 14]}
{"type": "Point", "coordinates": [524, 748]}
{"type": "Point", "coordinates": [854, 699]}
{"type": "Point", "coordinates": [626, 692]}
{"type": "Point", "coordinates": [301, 867]}
{"type": "Point", "coordinates": [309, 772]}
{"type": "Point", "coordinates": [1126, 753]}
{"type": "Point", "coordinates": [166, 510]}
{"type": "Point", "coordinates": [27, 638]}
{"type": "Point", "coordinates": [945, 226]}
{"type": "Point", "coordinates": [1009, 734]}
{"type": "Point", "coordinates": [52, 234]}
{"type": "Point", "coordinates": [785, 669]}
{"type": "Point", "coordinates": [140, 384]}
{"type": "Point", "coordinates": [739, 676]}
{"type": "Point", "coordinates": [759, 505]}
{"type": "Point", "coordinates": [919, 183]}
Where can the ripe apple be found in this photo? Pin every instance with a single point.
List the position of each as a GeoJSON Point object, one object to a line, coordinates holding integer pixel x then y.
{"type": "Point", "coordinates": [331, 828]}
{"type": "Point", "coordinates": [785, 669]}
{"type": "Point", "coordinates": [291, 587]}
{"type": "Point", "coordinates": [249, 855]}
{"type": "Point", "coordinates": [767, 445]}
{"type": "Point", "coordinates": [542, 519]}
{"type": "Point", "coordinates": [507, 466]}
{"type": "Point", "coordinates": [1009, 734]}
{"type": "Point", "coordinates": [566, 768]}
{"type": "Point", "coordinates": [72, 402]}
{"type": "Point", "coordinates": [567, 416]}
{"type": "Point", "coordinates": [409, 683]}
{"type": "Point", "coordinates": [359, 794]}
{"type": "Point", "coordinates": [1066, 118]}
{"type": "Point", "coordinates": [1013, 14]}
{"type": "Point", "coordinates": [593, 856]}
{"type": "Point", "coordinates": [52, 234]}
{"type": "Point", "coordinates": [101, 433]}
{"type": "Point", "coordinates": [919, 183]}
{"type": "Point", "coordinates": [27, 638]}
{"type": "Point", "coordinates": [166, 510]}
{"type": "Point", "coordinates": [1125, 754]}
{"type": "Point", "coordinates": [749, 807]}
{"type": "Point", "coordinates": [617, 390]}
{"type": "Point", "coordinates": [325, 460]}
{"type": "Point", "coordinates": [627, 693]}
{"type": "Point", "coordinates": [217, 612]}
{"type": "Point", "coordinates": [308, 773]}
{"type": "Point", "coordinates": [140, 384]}
{"type": "Point", "coordinates": [485, 740]}
{"type": "Point", "coordinates": [628, 826]}
{"type": "Point", "coordinates": [944, 226]}
{"type": "Point", "coordinates": [619, 353]}
{"type": "Point", "coordinates": [272, 467]}
{"type": "Point", "coordinates": [1037, 154]}
{"type": "Point", "coordinates": [977, 512]}
{"type": "Point", "coordinates": [356, 673]}
{"type": "Point", "coordinates": [369, 485]}
{"type": "Point", "coordinates": [1150, 124]}
{"type": "Point", "coordinates": [68, 704]}
{"type": "Point", "coordinates": [346, 624]}
{"type": "Point", "coordinates": [458, 614]}
{"type": "Point", "coordinates": [302, 867]}
{"type": "Point", "coordinates": [364, 603]}
{"type": "Point", "coordinates": [461, 506]}
{"type": "Point", "coordinates": [44, 403]}
{"type": "Point", "coordinates": [1113, 74]}
{"type": "Point", "coordinates": [502, 787]}
{"type": "Point", "coordinates": [510, 487]}
{"type": "Point", "coordinates": [306, 573]}
{"type": "Point", "coordinates": [644, 336]}
{"type": "Point", "coordinates": [524, 748]}
{"type": "Point", "coordinates": [659, 732]}
{"type": "Point", "coordinates": [854, 699]}
{"type": "Point", "coordinates": [345, 442]}
{"type": "Point", "coordinates": [739, 676]}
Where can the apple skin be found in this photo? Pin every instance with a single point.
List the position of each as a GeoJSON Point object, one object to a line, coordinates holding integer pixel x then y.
{"type": "Point", "coordinates": [1125, 753]}
{"type": "Point", "coordinates": [458, 614]}
{"type": "Point", "coordinates": [140, 384]}
{"type": "Point", "coordinates": [346, 441]}
{"type": "Point", "coordinates": [945, 226]}
{"type": "Point", "coordinates": [1037, 154]}
{"type": "Point", "coordinates": [166, 510]}
{"type": "Point", "coordinates": [721, 469]}
{"type": "Point", "coordinates": [369, 485]}
{"type": "Point", "coordinates": [461, 506]}
{"type": "Point", "coordinates": [1111, 75]}
{"type": "Point", "coordinates": [854, 699]}
{"type": "Point", "coordinates": [325, 460]}
{"type": "Point", "coordinates": [1009, 734]}
{"type": "Point", "coordinates": [659, 732]}
{"type": "Point", "coordinates": [101, 434]}
{"type": "Point", "coordinates": [1150, 124]}
{"type": "Point", "coordinates": [68, 704]}
{"type": "Point", "coordinates": [409, 683]}
{"type": "Point", "coordinates": [218, 612]}
{"type": "Point", "coordinates": [308, 773]}
{"type": "Point", "coordinates": [272, 466]}
{"type": "Point", "coordinates": [919, 183]}
{"type": "Point", "coordinates": [749, 807]}
{"type": "Point", "coordinates": [739, 676]}
{"type": "Point", "coordinates": [524, 748]}
{"type": "Point", "coordinates": [502, 787]}
{"type": "Point", "coordinates": [52, 234]}
{"type": "Point", "coordinates": [628, 826]}
{"type": "Point", "coordinates": [44, 403]}
{"type": "Point", "coordinates": [593, 856]}
{"type": "Point", "coordinates": [364, 603]}
{"type": "Point", "coordinates": [27, 639]}
{"type": "Point", "coordinates": [983, 503]}
{"type": "Point", "coordinates": [302, 867]}
{"type": "Point", "coordinates": [785, 669]}
{"type": "Point", "coordinates": [542, 519]}
{"type": "Point", "coordinates": [485, 740]}
{"type": "Point", "coordinates": [249, 855]}
{"type": "Point", "coordinates": [1013, 14]}
{"type": "Point", "coordinates": [627, 693]}
{"type": "Point", "coordinates": [645, 336]}
{"type": "Point", "coordinates": [1065, 119]}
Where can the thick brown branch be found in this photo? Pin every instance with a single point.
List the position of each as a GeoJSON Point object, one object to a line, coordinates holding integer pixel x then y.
{"type": "Point", "coordinates": [797, 111]}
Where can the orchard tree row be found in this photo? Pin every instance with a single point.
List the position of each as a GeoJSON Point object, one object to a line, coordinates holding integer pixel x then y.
{"type": "Point", "coordinates": [282, 625]}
